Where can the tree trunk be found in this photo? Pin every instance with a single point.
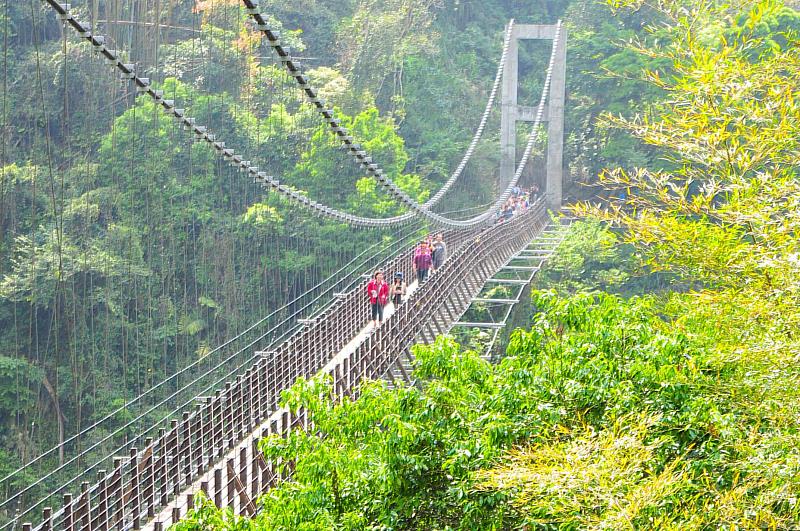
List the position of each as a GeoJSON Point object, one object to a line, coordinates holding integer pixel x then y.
{"type": "Point", "coordinates": [59, 416]}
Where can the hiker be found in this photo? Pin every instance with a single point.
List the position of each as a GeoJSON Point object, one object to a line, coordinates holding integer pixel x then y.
{"type": "Point", "coordinates": [422, 261]}
{"type": "Point", "coordinates": [439, 252]}
{"type": "Point", "coordinates": [378, 291]}
{"type": "Point", "coordinates": [508, 210]}
{"type": "Point", "coordinates": [398, 289]}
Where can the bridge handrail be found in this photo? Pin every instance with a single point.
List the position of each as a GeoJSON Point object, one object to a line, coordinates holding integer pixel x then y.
{"type": "Point", "coordinates": [480, 254]}
{"type": "Point", "coordinates": [286, 364]}
{"type": "Point", "coordinates": [341, 284]}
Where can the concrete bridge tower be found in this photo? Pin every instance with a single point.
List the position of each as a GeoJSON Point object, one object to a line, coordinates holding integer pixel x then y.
{"type": "Point", "coordinates": [553, 113]}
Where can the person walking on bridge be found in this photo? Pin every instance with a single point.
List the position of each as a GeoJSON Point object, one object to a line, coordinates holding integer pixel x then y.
{"type": "Point", "coordinates": [422, 261]}
{"type": "Point", "coordinates": [439, 253]}
{"type": "Point", "coordinates": [378, 292]}
{"type": "Point", "coordinates": [398, 289]}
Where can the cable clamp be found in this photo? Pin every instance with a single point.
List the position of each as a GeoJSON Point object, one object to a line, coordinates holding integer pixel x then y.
{"type": "Point", "coordinates": [130, 74]}
{"type": "Point", "coordinates": [66, 15]}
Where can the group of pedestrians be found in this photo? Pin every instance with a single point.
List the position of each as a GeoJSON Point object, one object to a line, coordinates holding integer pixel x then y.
{"type": "Point", "coordinates": [519, 202]}
{"type": "Point", "coordinates": [428, 257]}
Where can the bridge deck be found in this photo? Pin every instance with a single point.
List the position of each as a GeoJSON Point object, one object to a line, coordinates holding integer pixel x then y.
{"type": "Point", "coordinates": [214, 447]}
{"type": "Point", "coordinates": [180, 501]}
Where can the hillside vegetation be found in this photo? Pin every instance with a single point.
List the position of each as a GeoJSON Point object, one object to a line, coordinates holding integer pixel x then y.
{"type": "Point", "coordinates": [129, 254]}
{"type": "Point", "coordinates": [656, 386]}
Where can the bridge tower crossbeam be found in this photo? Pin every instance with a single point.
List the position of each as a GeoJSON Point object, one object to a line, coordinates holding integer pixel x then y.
{"type": "Point", "coordinates": [553, 113]}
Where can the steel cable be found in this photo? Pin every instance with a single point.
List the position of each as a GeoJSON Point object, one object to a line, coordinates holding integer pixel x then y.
{"type": "Point", "coordinates": [143, 85]}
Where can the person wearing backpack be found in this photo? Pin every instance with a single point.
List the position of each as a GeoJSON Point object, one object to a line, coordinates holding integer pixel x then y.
{"type": "Point", "coordinates": [378, 292]}
{"type": "Point", "coordinates": [398, 289]}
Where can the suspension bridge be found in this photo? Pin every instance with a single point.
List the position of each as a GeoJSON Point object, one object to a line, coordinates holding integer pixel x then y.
{"type": "Point", "coordinates": [143, 473]}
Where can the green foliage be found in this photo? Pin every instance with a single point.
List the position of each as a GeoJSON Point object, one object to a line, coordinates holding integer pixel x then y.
{"type": "Point", "coordinates": [589, 479]}
{"type": "Point", "coordinates": [592, 256]}
{"type": "Point", "coordinates": [676, 411]}
{"type": "Point", "coordinates": [140, 252]}
{"type": "Point", "coordinates": [601, 400]}
{"type": "Point", "coordinates": [206, 517]}
{"type": "Point", "coordinates": [589, 256]}
{"type": "Point", "coordinates": [18, 381]}
{"type": "Point", "coordinates": [725, 214]}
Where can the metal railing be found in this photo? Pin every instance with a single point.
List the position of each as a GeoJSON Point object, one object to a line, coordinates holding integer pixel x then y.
{"type": "Point", "coordinates": [196, 449]}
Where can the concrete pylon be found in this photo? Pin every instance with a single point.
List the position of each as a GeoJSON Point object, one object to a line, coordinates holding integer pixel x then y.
{"type": "Point", "coordinates": [554, 112]}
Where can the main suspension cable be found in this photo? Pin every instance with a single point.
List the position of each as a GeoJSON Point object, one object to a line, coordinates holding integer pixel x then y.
{"type": "Point", "coordinates": [143, 85]}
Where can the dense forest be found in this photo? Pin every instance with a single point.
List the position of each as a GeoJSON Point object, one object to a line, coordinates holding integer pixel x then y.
{"type": "Point", "coordinates": [653, 382]}
{"type": "Point", "coordinates": [129, 253]}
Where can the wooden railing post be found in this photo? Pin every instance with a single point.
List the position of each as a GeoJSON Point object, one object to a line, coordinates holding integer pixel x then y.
{"type": "Point", "coordinates": [163, 462]}
{"type": "Point", "coordinates": [134, 488]}
{"type": "Point", "coordinates": [69, 520]}
{"type": "Point", "coordinates": [231, 490]}
{"type": "Point", "coordinates": [47, 519]}
{"type": "Point", "coordinates": [201, 438]}
{"type": "Point", "coordinates": [100, 521]}
{"type": "Point", "coordinates": [218, 488]}
{"type": "Point", "coordinates": [116, 494]}
{"type": "Point", "coordinates": [147, 472]}
{"type": "Point", "coordinates": [84, 514]}
{"type": "Point", "coordinates": [184, 449]}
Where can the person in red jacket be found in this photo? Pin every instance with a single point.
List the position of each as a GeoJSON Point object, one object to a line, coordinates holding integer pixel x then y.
{"type": "Point", "coordinates": [378, 292]}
